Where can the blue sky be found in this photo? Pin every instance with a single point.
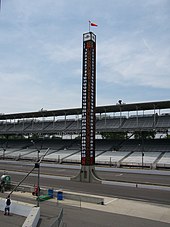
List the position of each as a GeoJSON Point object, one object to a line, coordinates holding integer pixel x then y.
{"type": "Point", "coordinates": [41, 52]}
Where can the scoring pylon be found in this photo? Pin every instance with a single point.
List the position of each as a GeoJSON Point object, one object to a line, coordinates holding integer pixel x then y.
{"type": "Point", "coordinates": [87, 172]}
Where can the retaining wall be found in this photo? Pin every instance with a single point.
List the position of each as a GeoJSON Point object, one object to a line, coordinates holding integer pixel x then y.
{"type": "Point", "coordinates": [23, 209]}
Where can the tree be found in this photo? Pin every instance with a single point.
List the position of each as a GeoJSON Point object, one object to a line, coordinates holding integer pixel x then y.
{"type": "Point", "coordinates": [145, 135]}
{"type": "Point", "coordinates": [114, 135]}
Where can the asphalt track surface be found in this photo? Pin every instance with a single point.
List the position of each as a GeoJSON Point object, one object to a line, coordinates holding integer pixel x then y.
{"type": "Point", "coordinates": [106, 174]}
{"type": "Point", "coordinates": [76, 216]}
{"type": "Point", "coordinates": [17, 172]}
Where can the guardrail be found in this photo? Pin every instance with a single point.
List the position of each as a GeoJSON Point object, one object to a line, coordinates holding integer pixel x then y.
{"type": "Point", "coordinates": [58, 222]}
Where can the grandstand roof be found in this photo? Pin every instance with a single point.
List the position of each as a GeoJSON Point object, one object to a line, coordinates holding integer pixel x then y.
{"type": "Point", "coordinates": [100, 109]}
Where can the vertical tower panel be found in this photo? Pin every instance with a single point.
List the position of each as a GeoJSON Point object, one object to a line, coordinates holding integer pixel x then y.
{"type": "Point", "coordinates": [88, 99]}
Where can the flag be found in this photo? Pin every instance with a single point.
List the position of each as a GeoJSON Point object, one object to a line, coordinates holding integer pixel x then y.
{"type": "Point", "coordinates": [93, 24]}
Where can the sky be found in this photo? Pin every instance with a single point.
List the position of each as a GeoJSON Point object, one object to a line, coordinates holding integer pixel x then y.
{"type": "Point", "coordinates": [41, 52]}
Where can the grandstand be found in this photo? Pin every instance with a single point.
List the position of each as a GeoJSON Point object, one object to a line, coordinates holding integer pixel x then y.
{"type": "Point", "coordinates": [119, 118]}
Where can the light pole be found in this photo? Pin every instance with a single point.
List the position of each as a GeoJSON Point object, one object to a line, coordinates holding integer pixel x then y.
{"type": "Point", "coordinates": [4, 152]}
{"type": "Point", "coordinates": [141, 148]}
{"type": "Point", "coordinates": [4, 149]}
{"type": "Point", "coordinates": [142, 158]}
{"type": "Point", "coordinates": [142, 153]}
{"type": "Point", "coordinates": [120, 103]}
{"type": "Point", "coordinates": [37, 166]}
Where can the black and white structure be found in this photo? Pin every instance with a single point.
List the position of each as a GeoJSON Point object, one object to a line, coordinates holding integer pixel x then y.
{"type": "Point", "coordinates": [88, 100]}
{"type": "Point", "coordinates": [87, 173]}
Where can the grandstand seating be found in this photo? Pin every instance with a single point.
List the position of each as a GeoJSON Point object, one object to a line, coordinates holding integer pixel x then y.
{"type": "Point", "coordinates": [136, 158]}
{"type": "Point", "coordinates": [109, 123]}
{"type": "Point", "coordinates": [163, 121]}
{"type": "Point", "coordinates": [74, 126]}
{"type": "Point", "coordinates": [139, 122]}
{"type": "Point", "coordinates": [110, 157]}
{"type": "Point", "coordinates": [74, 158]}
{"type": "Point", "coordinates": [112, 152]}
{"type": "Point", "coordinates": [144, 122]}
{"type": "Point", "coordinates": [164, 161]}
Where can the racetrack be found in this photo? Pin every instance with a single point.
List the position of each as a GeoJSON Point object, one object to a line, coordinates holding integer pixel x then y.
{"type": "Point", "coordinates": [49, 178]}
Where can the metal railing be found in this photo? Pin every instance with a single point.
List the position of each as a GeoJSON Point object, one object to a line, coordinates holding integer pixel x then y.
{"type": "Point", "coordinates": [58, 222]}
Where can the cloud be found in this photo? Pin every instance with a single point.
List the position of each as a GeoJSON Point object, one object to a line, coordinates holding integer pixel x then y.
{"type": "Point", "coordinates": [147, 45]}
{"type": "Point", "coordinates": [130, 62]}
{"type": "Point", "coordinates": [61, 53]}
{"type": "Point", "coordinates": [41, 50]}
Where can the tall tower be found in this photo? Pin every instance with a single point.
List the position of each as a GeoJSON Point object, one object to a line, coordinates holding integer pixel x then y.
{"type": "Point", "coordinates": [88, 100]}
{"type": "Point", "coordinates": [87, 173]}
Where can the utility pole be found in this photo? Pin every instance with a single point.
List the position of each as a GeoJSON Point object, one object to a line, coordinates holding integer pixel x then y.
{"type": "Point", "coordinates": [36, 166]}
{"type": "Point", "coordinates": [142, 147]}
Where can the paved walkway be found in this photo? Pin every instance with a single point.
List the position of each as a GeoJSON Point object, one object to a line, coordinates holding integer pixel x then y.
{"type": "Point", "coordinates": [116, 212]}
{"type": "Point", "coordinates": [11, 220]}
{"type": "Point", "coordinates": [138, 212]}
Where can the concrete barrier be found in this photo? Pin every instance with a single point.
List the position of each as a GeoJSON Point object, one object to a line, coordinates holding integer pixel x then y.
{"type": "Point", "coordinates": [77, 196]}
{"type": "Point", "coordinates": [69, 195]}
{"type": "Point", "coordinates": [83, 197]}
{"type": "Point", "coordinates": [23, 209]}
{"type": "Point", "coordinates": [16, 207]}
{"type": "Point", "coordinates": [33, 218]}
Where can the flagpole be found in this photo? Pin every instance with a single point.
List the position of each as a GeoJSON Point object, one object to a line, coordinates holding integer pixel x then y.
{"type": "Point", "coordinates": [89, 25]}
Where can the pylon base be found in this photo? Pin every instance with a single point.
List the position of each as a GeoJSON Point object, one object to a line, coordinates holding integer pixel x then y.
{"type": "Point", "coordinates": [87, 174]}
